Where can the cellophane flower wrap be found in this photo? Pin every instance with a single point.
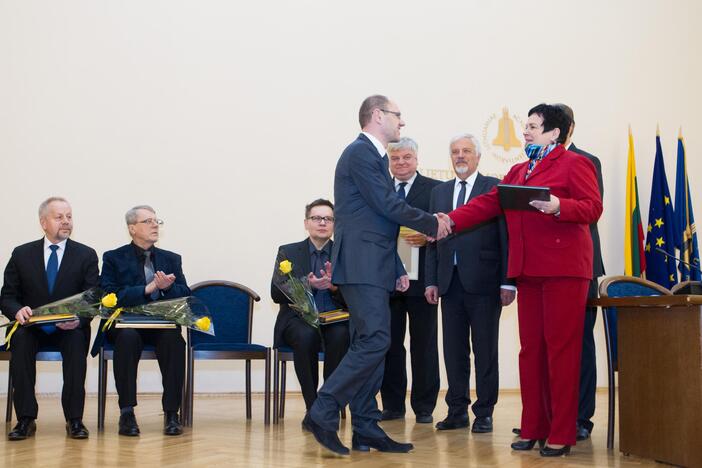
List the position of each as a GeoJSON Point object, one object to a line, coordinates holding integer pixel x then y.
{"type": "Point", "coordinates": [298, 291]}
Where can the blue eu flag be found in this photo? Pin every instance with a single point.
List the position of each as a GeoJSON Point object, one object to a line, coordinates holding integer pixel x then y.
{"type": "Point", "coordinates": [685, 234]}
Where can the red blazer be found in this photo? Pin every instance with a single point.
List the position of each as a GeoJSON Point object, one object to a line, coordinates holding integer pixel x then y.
{"type": "Point", "coordinates": [542, 244]}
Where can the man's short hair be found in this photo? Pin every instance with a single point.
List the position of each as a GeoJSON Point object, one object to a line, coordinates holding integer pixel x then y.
{"type": "Point", "coordinates": [131, 215]}
{"type": "Point", "coordinates": [404, 143]}
{"type": "Point", "coordinates": [566, 108]}
{"type": "Point", "coordinates": [44, 206]}
{"type": "Point", "coordinates": [554, 117]}
{"type": "Point", "coordinates": [467, 136]}
{"type": "Point", "coordinates": [318, 202]}
{"type": "Point", "coordinates": [377, 101]}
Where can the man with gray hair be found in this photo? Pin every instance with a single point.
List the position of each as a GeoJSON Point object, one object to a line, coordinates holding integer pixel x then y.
{"type": "Point", "coordinates": [38, 273]}
{"type": "Point", "coordinates": [415, 189]}
{"type": "Point", "coordinates": [468, 271]}
{"type": "Point", "coordinates": [139, 273]}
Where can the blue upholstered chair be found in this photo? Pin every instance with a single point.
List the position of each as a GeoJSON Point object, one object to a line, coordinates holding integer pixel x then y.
{"type": "Point", "coordinates": [46, 353]}
{"type": "Point", "coordinates": [231, 308]}
{"type": "Point", "coordinates": [620, 286]}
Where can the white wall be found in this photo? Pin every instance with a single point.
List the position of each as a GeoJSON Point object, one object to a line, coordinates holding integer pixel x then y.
{"type": "Point", "coordinates": [228, 117]}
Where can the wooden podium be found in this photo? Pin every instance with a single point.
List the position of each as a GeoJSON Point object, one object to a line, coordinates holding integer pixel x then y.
{"type": "Point", "coordinates": [660, 377]}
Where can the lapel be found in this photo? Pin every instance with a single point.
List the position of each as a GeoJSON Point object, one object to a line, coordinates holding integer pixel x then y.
{"type": "Point", "coordinates": [416, 190]}
{"type": "Point", "coordinates": [303, 258]}
{"type": "Point", "coordinates": [446, 197]}
{"type": "Point", "coordinates": [37, 260]}
{"type": "Point", "coordinates": [478, 187]}
{"type": "Point", "coordinates": [160, 263]}
{"type": "Point", "coordinates": [547, 162]}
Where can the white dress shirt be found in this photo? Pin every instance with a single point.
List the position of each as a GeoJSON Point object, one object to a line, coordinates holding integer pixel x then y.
{"type": "Point", "coordinates": [59, 252]}
{"type": "Point", "coordinates": [408, 186]}
{"type": "Point", "coordinates": [378, 145]}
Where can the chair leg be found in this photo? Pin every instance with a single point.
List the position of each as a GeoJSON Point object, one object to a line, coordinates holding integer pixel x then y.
{"type": "Point", "coordinates": [267, 390]}
{"type": "Point", "coordinates": [102, 390]}
{"type": "Point", "coordinates": [190, 405]}
{"type": "Point", "coordinates": [248, 389]}
{"type": "Point", "coordinates": [10, 391]}
{"type": "Point", "coordinates": [276, 383]}
{"type": "Point", "coordinates": [283, 379]}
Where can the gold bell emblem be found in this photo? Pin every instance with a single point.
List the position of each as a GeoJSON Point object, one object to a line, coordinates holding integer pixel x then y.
{"type": "Point", "coordinates": [506, 137]}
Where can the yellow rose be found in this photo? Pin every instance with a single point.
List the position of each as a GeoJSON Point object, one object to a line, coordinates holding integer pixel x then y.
{"type": "Point", "coordinates": [109, 301]}
{"type": "Point", "coordinates": [203, 323]}
{"type": "Point", "coordinates": [285, 267]}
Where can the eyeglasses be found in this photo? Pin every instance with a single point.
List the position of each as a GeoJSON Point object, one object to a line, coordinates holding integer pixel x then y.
{"type": "Point", "coordinates": [156, 221]}
{"type": "Point", "coordinates": [396, 114]}
{"type": "Point", "coordinates": [319, 219]}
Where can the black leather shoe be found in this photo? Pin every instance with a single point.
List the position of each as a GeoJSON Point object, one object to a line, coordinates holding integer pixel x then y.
{"type": "Point", "coordinates": [517, 430]}
{"type": "Point", "coordinates": [527, 444]}
{"type": "Point", "coordinates": [389, 415]}
{"type": "Point", "coordinates": [581, 433]}
{"type": "Point", "coordinates": [76, 429]}
{"type": "Point", "coordinates": [26, 427]}
{"type": "Point", "coordinates": [452, 422]}
{"type": "Point", "coordinates": [381, 444]}
{"type": "Point", "coordinates": [128, 425]}
{"type": "Point", "coordinates": [547, 451]}
{"type": "Point", "coordinates": [482, 425]}
{"type": "Point", "coordinates": [304, 425]}
{"type": "Point", "coordinates": [425, 418]}
{"type": "Point", "coordinates": [327, 439]}
{"type": "Point", "coordinates": [171, 424]}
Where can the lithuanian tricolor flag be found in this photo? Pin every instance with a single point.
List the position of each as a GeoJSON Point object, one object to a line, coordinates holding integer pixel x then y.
{"type": "Point", "coordinates": [634, 258]}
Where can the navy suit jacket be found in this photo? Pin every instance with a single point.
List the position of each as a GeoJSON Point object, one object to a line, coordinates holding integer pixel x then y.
{"type": "Point", "coordinates": [481, 251]}
{"type": "Point", "coordinates": [25, 277]}
{"type": "Point", "coordinates": [368, 217]}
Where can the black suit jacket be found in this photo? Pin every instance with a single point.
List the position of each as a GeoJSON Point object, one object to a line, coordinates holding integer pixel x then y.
{"type": "Point", "coordinates": [25, 277]}
{"type": "Point", "coordinates": [419, 196]}
{"type": "Point", "coordinates": [482, 250]}
{"type": "Point", "coordinates": [299, 254]}
{"type": "Point", "coordinates": [597, 263]}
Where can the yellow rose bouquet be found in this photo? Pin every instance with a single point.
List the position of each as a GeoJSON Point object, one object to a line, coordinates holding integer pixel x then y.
{"type": "Point", "coordinates": [298, 291]}
{"type": "Point", "coordinates": [186, 311]}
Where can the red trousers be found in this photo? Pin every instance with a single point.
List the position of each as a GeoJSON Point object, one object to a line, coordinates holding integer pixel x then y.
{"type": "Point", "coordinates": [551, 317]}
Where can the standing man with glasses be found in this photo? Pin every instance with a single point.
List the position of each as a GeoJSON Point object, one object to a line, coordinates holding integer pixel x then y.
{"type": "Point", "coordinates": [38, 273]}
{"type": "Point", "coordinates": [310, 259]}
{"type": "Point", "coordinates": [367, 269]}
{"type": "Point", "coordinates": [139, 273]}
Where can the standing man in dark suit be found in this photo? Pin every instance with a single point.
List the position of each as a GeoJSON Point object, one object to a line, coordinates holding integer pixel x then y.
{"type": "Point", "coordinates": [139, 273]}
{"type": "Point", "coordinates": [310, 258]}
{"type": "Point", "coordinates": [469, 273]}
{"type": "Point", "coordinates": [588, 362]}
{"type": "Point", "coordinates": [424, 352]}
{"type": "Point", "coordinates": [367, 269]}
{"type": "Point", "coordinates": [38, 273]}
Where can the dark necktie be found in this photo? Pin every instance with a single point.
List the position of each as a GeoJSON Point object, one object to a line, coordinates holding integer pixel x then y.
{"type": "Point", "coordinates": [149, 272]}
{"type": "Point", "coordinates": [461, 194]}
{"type": "Point", "coordinates": [318, 263]}
{"type": "Point", "coordinates": [51, 273]}
{"type": "Point", "coordinates": [401, 191]}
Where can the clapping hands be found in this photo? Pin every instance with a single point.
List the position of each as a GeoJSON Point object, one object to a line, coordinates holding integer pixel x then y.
{"type": "Point", "coordinates": [324, 281]}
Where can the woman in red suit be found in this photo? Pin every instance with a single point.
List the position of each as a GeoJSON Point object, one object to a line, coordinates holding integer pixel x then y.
{"type": "Point", "coordinates": [550, 255]}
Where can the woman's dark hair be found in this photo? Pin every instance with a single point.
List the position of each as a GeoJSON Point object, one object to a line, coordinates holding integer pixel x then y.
{"type": "Point", "coordinates": [554, 117]}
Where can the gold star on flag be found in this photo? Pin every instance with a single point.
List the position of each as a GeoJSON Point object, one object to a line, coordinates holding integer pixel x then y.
{"type": "Point", "coordinates": [659, 222]}
{"type": "Point", "coordinates": [649, 227]}
{"type": "Point", "coordinates": [666, 200]}
{"type": "Point", "coordinates": [648, 246]}
{"type": "Point", "coordinates": [672, 280]}
{"type": "Point", "coordinates": [659, 242]}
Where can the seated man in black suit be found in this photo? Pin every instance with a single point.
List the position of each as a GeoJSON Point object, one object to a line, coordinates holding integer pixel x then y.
{"type": "Point", "coordinates": [139, 273]}
{"type": "Point", "coordinates": [310, 258]}
{"type": "Point", "coordinates": [38, 273]}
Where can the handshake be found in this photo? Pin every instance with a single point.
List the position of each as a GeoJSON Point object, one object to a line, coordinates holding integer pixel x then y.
{"type": "Point", "coordinates": [444, 229]}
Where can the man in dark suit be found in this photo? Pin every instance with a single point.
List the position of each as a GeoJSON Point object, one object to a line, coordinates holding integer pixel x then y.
{"type": "Point", "coordinates": [588, 361]}
{"type": "Point", "coordinates": [39, 273]}
{"type": "Point", "coordinates": [367, 269]}
{"type": "Point", "coordinates": [310, 259]}
{"type": "Point", "coordinates": [468, 272]}
{"type": "Point", "coordinates": [140, 273]}
{"type": "Point", "coordinates": [424, 352]}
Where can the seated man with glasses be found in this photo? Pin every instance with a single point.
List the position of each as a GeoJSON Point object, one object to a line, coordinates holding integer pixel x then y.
{"type": "Point", "coordinates": [310, 258]}
{"type": "Point", "coordinates": [139, 273]}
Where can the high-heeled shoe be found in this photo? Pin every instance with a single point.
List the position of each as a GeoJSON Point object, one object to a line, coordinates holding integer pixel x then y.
{"type": "Point", "coordinates": [527, 444]}
{"type": "Point", "coordinates": [547, 451]}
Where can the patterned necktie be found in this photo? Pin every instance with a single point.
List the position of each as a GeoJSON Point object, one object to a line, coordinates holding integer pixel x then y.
{"type": "Point", "coordinates": [149, 272]}
{"type": "Point", "coordinates": [461, 194]}
{"type": "Point", "coordinates": [401, 191]}
{"type": "Point", "coordinates": [51, 273]}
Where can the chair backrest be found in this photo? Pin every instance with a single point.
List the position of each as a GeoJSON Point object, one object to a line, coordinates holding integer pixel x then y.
{"type": "Point", "coordinates": [231, 308]}
{"type": "Point", "coordinates": [624, 286]}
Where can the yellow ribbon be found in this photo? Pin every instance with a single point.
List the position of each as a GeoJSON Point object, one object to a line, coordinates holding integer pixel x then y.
{"type": "Point", "coordinates": [9, 335]}
{"type": "Point", "coordinates": [112, 318]}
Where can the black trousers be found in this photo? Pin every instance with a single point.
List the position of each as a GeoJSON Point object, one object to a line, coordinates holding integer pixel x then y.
{"type": "Point", "coordinates": [588, 365]}
{"type": "Point", "coordinates": [73, 345]}
{"type": "Point", "coordinates": [424, 356]}
{"type": "Point", "coordinates": [170, 353]}
{"type": "Point", "coordinates": [461, 314]}
{"type": "Point", "coordinates": [306, 343]}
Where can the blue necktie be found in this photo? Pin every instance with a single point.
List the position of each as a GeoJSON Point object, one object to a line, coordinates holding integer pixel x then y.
{"type": "Point", "coordinates": [51, 273]}
{"type": "Point", "coordinates": [401, 191]}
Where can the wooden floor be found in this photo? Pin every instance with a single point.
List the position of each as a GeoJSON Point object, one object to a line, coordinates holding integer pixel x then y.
{"type": "Point", "coordinates": [221, 436]}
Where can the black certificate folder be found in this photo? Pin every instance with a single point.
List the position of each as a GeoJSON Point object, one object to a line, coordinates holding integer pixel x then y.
{"type": "Point", "coordinates": [517, 197]}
